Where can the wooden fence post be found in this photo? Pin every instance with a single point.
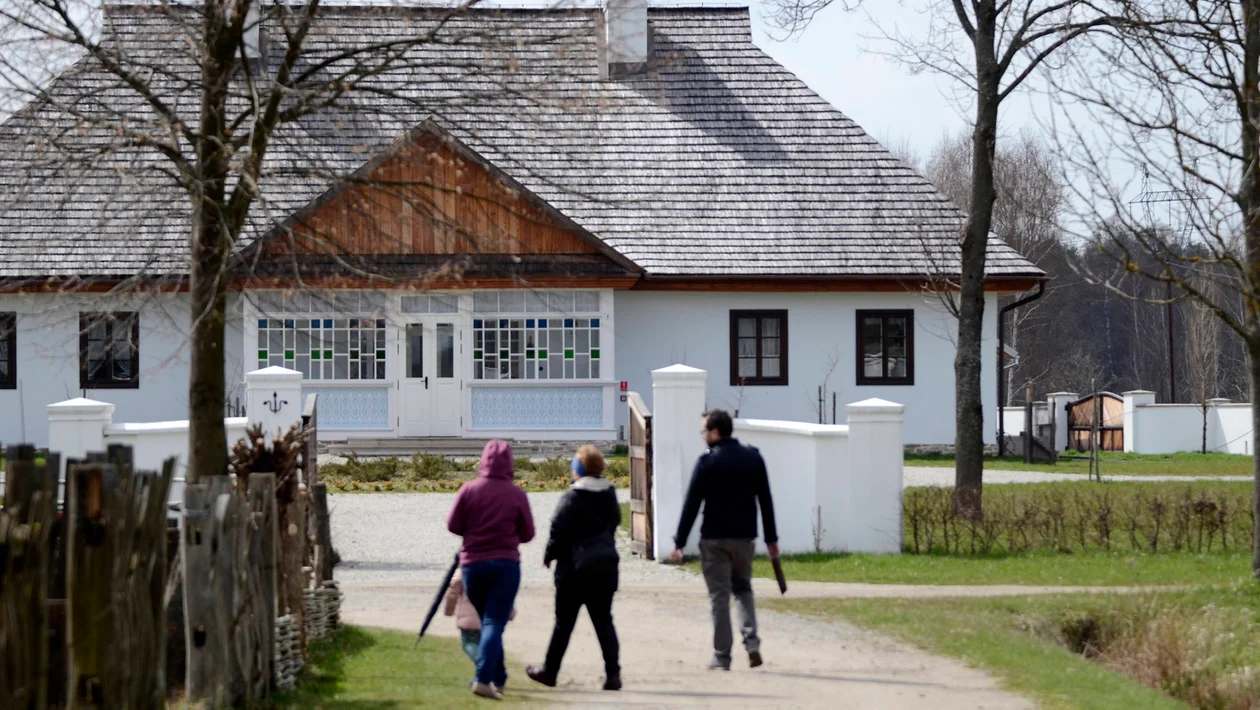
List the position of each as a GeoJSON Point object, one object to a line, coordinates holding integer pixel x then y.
{"type": "Point", "coordinates": [26, 523]}
{"type": "Point", "coordinates": [262, 565]}
{"type": "Point", "coordinates": [207, 654]}
{"type": "Point", "coordinates": [91, 488]}
{"type": "Point", "coordinates": [323, 536]}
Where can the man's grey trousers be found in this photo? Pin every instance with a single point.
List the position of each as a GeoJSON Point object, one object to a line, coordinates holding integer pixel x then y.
{"type": "Point", "coordinates": [727, 566]}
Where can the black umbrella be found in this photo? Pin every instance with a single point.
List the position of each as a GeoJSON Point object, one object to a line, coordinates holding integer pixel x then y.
{"type": "Point", "coordinates": [437, 600]}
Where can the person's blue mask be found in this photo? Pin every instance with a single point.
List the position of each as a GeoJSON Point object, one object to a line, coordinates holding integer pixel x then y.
{"type": "Point", "coordinates": [578, 468]}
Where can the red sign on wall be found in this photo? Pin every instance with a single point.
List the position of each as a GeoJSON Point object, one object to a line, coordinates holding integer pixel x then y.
{"type": "Point", "coordinates": [625, 386]}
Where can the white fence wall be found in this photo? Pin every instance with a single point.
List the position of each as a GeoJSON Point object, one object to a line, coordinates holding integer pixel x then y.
{"type": "Point", "coordinates": [805, 497]}
{"type": "Point", "coordinates": [1152, 428]}
{"type": "Point", "coordinates": [80, 425]}
{"type": "Point", "coordinates": [836, 488]}
{"type": "Point", "coordinates": [1013, 420]}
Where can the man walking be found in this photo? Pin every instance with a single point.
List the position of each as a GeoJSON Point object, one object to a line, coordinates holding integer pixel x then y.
{"type": "Point", "coordinates": [730, 480]}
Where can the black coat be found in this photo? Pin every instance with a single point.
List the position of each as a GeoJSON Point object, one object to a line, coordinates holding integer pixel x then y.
{"type": "Point", "coordinates": [730, 481]}
{"type": "Point", "coordinates": [587, 509]}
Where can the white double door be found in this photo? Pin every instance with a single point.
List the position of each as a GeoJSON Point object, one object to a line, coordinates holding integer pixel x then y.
{"type": "Point", "coordinates": [430, 383]}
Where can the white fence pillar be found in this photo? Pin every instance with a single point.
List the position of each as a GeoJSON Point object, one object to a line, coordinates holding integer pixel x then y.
{"type": "Point", "coordinates": [876, 458]}
{"type": "Point", "coordinates": [77, 426]}
{"type": "Point", "coordinates": [678, 398]}
{"type": "Point", "coordinates": [1132, 400]}
{"type": "Point", "coordinates": [1058, 415]}
{"type": "Point", "coordinates": [273, 398]}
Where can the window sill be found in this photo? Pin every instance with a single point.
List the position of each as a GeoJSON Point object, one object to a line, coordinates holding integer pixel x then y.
{"type": "Point", "coordinates": [776, 383]}
{"type": "Point", "coordinates": [109, 385]}
{"type": "Point", "coordinates": [885, 383]}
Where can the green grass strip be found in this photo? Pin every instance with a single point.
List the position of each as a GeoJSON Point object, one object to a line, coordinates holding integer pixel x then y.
{"type": "Point", "coordinates": [369, 668]}
{"type": "Point", "coordinates": [980, 633]}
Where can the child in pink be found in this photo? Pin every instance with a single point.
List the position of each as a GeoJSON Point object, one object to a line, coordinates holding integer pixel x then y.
{"type": "Point", "coordinates": [466, 619]}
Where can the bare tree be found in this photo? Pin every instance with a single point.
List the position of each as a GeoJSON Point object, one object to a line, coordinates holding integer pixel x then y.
{"type": "Point", "coordinates": [1027, 215]}
{"type": "Point", "coordinates": [990, 47]}
{"type": "Point", "coordinates": [200, 98]}
{"type": "Point", "coordinates": [1202, 347]}
{"type": "Point", "coordinates": [1177, 99]}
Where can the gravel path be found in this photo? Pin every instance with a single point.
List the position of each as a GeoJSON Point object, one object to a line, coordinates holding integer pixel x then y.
{"type": "Point", "coordinates": [942, 476]}
{"type": "Point", "coordinates": [395, 549]}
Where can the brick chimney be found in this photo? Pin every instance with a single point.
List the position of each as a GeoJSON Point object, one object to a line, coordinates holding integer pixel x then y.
{"type": "Point", "coordinates": [628, 36]}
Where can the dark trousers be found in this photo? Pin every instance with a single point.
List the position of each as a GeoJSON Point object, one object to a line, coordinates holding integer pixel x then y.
{"type": "Point", "coordinates": [597, 597]}
{"type": "Point", "coordinates": [727, 567]}
{"type": "Point", "coordinates": [491, 587]}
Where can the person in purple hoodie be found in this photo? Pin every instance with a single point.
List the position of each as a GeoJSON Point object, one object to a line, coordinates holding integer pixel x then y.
{"type": "Point", "coordinates": [492, 514]}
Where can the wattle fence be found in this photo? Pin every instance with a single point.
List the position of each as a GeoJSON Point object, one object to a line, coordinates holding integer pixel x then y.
{"type": "Point", "coordinates": [117, 593]}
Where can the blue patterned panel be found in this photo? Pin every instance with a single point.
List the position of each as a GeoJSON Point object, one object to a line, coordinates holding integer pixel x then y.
{"type": "Point", "coordinates": [352, 407]}
{"type": "Point", "coordinates": [537, 407]}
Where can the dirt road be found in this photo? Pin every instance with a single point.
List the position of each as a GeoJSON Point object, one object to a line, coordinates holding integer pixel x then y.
{"type": "Point", "coordinates": [394, 552]}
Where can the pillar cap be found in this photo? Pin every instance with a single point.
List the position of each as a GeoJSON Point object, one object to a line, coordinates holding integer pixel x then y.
{"type": "Point", "coordinates": [274, 373]}
{"type": "Point", "coordinates": [80, 406]}
{"type": "Point", "coordinates": [873, 406]}
{"type": "Point", "coordinates": [679, 372]}
{"type": "Point", "coordinates": [1133, 392]}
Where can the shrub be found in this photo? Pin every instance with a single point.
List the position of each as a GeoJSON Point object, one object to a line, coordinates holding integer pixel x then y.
{"type": "Point", "coordinates": [424, 472]}
{"type": "Point", "coordinates": [1066, 518]}
{"type": "Point", "coordinates": [1204, 655]}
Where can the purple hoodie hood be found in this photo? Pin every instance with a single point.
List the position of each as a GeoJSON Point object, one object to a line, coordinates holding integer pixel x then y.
{"type": "Point", "coordinates": [492, 513]}
{"type": "Point", "coordinates": [496, 460]}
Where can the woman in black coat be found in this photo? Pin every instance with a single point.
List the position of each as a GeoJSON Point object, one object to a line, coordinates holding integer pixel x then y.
{"type": "Point", "coordinates": [583, 546]}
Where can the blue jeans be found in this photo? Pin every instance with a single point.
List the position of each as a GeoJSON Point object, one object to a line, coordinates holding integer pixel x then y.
{"type": "Point", "coordinates": [471, 643]}
{"type": "Point", "coordinates": [491, 586]}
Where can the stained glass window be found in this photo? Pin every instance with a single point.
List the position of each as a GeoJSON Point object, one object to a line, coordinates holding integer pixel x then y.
{"type": "Point", "coordinates": [340, 348]}
{"type": "Point", "coordinates": [536, 348]}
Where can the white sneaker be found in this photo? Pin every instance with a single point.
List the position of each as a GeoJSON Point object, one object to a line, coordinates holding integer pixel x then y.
{"type": "Point", "coordinates": [485, 690]}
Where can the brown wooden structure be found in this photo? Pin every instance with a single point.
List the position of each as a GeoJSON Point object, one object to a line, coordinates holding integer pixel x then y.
{"type": "Point", "coordinates": [640, 437]}
{"type": "Point", "coordinates": [1099, 415]}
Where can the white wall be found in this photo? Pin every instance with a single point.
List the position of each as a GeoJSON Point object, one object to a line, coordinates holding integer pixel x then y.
{"type": "Point", "coordinates": [1174, 428]}
{"type": "Point", "coordinates": [48, 359]}
{"type": "Point", "coordinates": [1234, 429]}
{"type": "Point", "coordinates": [1013, 420]}
{"type": "Point", "coordinates": [655, 329]}
{"type": "Point", "coordinates": [802, 459]}
{"type": "Point", "coordinates": [836, 488]}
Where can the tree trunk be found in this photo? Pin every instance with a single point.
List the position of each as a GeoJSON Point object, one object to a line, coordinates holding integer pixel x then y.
{"type": "Point", "coordinates": [1249, 201]}
{"type": "Point", "coordinates": [969, 412]}
{"type": "Point", "coordinates": [207, 436]}
{"type": "Point", "coordinates": [1253, 352]}
{"type": "Point", "coordinates": [1205, 415]}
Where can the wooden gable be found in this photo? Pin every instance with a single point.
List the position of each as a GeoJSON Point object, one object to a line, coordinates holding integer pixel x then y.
{"type": "Point", "coordinates": [428, 199]}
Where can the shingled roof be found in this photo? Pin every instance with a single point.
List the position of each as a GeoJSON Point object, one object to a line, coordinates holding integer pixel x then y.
{"type": "Point", "coordinates": [717, 162]}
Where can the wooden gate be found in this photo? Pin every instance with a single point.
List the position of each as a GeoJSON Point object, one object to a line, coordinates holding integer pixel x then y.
{"type": "Point", "coordinates": [1097, 417]}
{"type": "Point", "coordinates": [640, 477]}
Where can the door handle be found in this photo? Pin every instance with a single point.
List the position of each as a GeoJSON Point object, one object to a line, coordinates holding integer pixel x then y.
{"type": "Point", "coordinates": [426, 382]}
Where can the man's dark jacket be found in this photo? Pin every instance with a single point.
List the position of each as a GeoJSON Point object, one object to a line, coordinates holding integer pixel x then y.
{"type": "Point", "coordinates": [730, 479]}
{"type": "Point", "coordinates": [587, 509]}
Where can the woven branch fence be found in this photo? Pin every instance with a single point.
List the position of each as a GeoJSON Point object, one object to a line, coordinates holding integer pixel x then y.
{"type": "Point", "coordinates": [95, 611]}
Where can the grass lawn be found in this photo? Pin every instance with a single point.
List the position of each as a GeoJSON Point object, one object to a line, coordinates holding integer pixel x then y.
{"type": "Point", "coordinates": [1093, 568]}
{"type": "Point", "coordinates": [1027, 642]}
{"type": "Point", "coordinates": [367, 668]}
{"type": "Point", "coordinates": [1116, 464]}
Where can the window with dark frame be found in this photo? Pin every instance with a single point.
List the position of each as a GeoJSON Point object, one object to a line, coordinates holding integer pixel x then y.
{"type": "Point", "coordinates": [8, 351]}
{"type": "Point", "coordinates": [885, 343]}
{"type": "Point", "coordinates": [759, 348]}
{"type": "Point", "coordinates": [109, 350]}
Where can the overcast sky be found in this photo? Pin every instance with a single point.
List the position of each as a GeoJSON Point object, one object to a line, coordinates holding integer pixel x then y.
{"type": "Point", "coordinates": [881, 95]}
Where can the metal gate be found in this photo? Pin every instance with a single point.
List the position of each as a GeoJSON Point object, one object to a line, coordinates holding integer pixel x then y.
{"type": "Point", "coordinates": [640, 477]}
